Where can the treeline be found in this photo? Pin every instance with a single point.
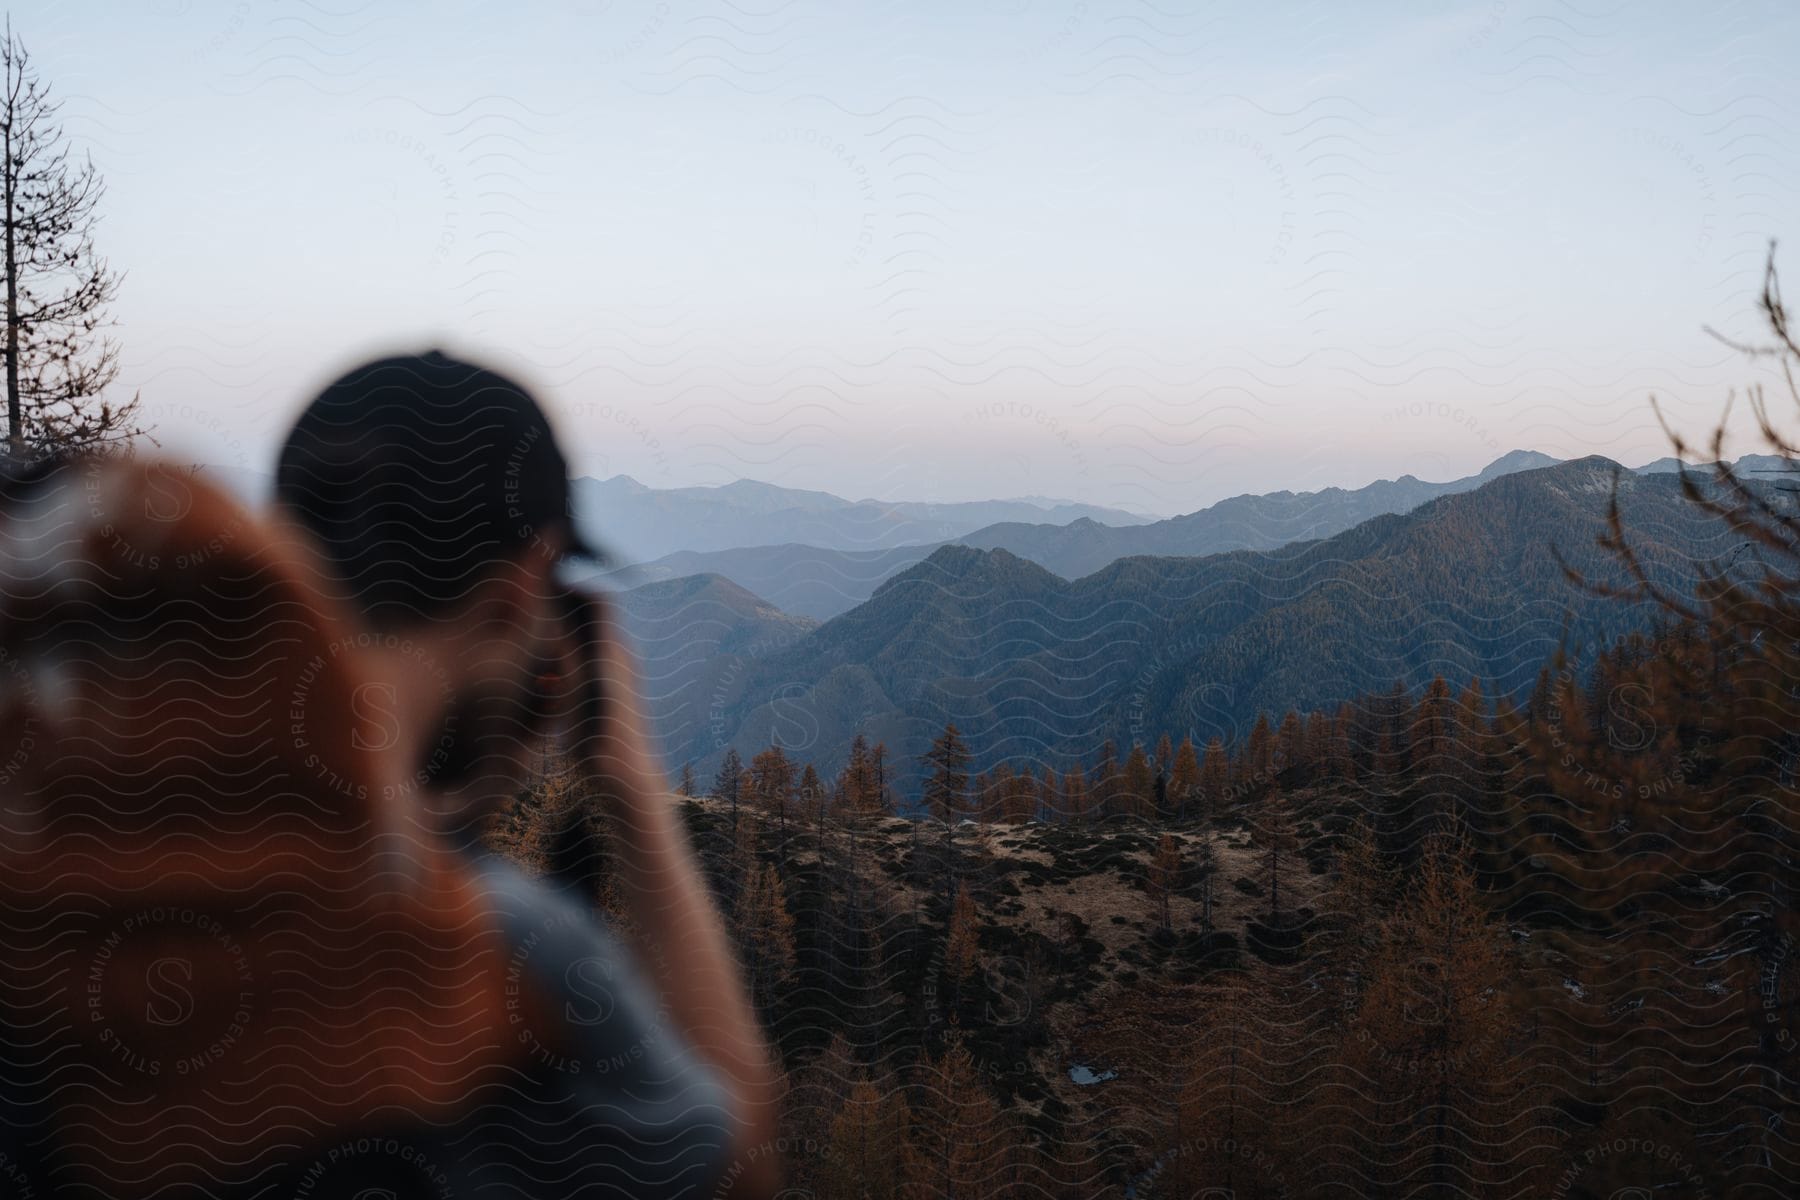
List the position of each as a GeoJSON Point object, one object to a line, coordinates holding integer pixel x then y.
{"type": "Point", "coordinates": [1488, 994]}
{"type": "Point", "coordinates": [1457, 736]}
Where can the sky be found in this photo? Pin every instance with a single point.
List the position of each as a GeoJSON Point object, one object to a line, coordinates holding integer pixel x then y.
{"type": "Point", "coordinates": [1138, 254]}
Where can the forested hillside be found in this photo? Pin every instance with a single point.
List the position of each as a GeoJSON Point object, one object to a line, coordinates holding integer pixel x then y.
{"type": "Point", "coordinates": [1032, 666]}
{"type": "Point", "coordinates": [822, 578]}
{"type": "Point", "coordinates": [1387, 950]}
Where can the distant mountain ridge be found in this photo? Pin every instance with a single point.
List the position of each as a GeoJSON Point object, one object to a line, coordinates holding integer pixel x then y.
{"type": "Point", "coordinates": [639, 523]}
{"type": "Point", "coordinates": [1034, 667]}
{"type": "Point", "coordinates": [819, 582]}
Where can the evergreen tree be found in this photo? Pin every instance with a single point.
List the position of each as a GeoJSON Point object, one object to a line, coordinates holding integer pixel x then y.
{"type": "Point", "coordinates": [947, 781]}
{"type": "Point", "coordinates": [1290, 745]}
{"type": "Point", "coordinates": [962, 943]}
{"type": "Point", "coordinates": [966, 1146]}
{"type": "Point", "coordinates": [772, 785]}
{"type": "Point", "coordinates": [868, 1148]}
{"type": "Point", "coordinates": [1184, 780]}
{"type": "Point", "coordinates": [1275, 835]}
{"type": "Point", "coordinates": [728, 783]}
{"type": "Point", "coordinates": [1164, 878]}
{"type": "Point", "coordinates": [1137, 788]}
{"type": "Point", "coordinates": [1444, 1048]}
{"type": "Point", "coordinates": [1215, 780]}
{"type": "Point", "coordinates": [1257, 767]}
{"type": "Point", "coordinates": [1105, 781]}
{"type": "Point", "coordinates": [57, 287]}
{"type": "Point", "coordinates": [765, 934]}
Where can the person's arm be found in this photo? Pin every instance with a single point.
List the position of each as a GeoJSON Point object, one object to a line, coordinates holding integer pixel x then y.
{"type": "Point", "coordinates": [675, 931]}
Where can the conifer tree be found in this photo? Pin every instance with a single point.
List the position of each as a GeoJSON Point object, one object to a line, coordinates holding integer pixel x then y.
{"type": "Point", "coordinates": [1256, 768]}
{"type": "Point", "coordinates": [962, 943]}
{"type": "Point", "coordinates": [1076, 801]}
{"type": "Point", "coordinates": [1164, 878]}
{"type": "Point", "coordinates": [765, 934]}
{"type": "Point", "coordinates": [1275, 835]}
{"type": "Point", "coordinates": [1206, 870]}
{"type": "Point", "coordinates": [1137, 787]}
{"type": "Point", "coordinates": [728, 783]}
{"type": "Point", "coordinates": [1215, 780]}
{"type": "Point", "coordinates": [966, 1146]}
{"type": "Point", "coordinates": [1339, 756]}
{"type": "Point", "coordinates": [868, 1147]}
{"type": "Point", "coordinates": [1184, 780]}
{"type": "Point", "coordinates": [1104, 782]}
{"type": "Point", "coordinates": [947, 781]}
{"type": "Point", "coordinates": [1441, 1040]}
{"type": "Point", "coordinates": [773, 785]}
{"type": "Point", "coordinates": [57, 287]}
{"type": "Point", "coordinates": [1290, 745]}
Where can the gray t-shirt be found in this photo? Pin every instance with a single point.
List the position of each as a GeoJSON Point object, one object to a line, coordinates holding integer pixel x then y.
{"type": "Point", "coordinates": [613, 1102]}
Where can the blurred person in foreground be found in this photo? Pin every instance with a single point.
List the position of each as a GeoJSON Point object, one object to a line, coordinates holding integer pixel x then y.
{"type": "Point", "coordinates": [235, 965]}
{"type": "Point", "coordinates": [437, 495]}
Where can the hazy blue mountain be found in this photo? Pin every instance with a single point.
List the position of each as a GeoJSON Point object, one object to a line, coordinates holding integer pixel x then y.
{"type": "Point", "coordinates": [1750, 465]}
{"type": "Point", "coordinates": [640, 523]}
{"type": "Point", "coordinates": [1034, 667]}
{"type": "Point", "coordinates": [693, 636]}
{"type": "Point", "coordinates": [804, 580]}
{"type": "Point", "coordinates": [820, 582]}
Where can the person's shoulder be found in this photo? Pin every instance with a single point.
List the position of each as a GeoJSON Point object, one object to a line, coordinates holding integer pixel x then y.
{"type": "Point", "coordinates": [612, 1081]}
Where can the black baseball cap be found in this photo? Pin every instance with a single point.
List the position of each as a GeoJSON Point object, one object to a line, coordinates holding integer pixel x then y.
{"type": "Point", "coordinates": [418, 473]}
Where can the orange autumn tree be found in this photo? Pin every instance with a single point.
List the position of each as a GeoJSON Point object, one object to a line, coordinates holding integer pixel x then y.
{"type": "Point", "coordinates": [869, 1149]}
{"type": "Point", "coordinates": [1164, 878]}
{"type": "Point", "coordinates": [765, 933]}
{"type": "Point", "coordinates": [962, 943]}
{"type": "Point", "coordinates": [1453, 1093]}
{"type": "Point", "coordinates": [966, 1146]}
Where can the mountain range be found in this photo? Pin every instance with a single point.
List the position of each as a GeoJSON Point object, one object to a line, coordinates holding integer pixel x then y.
{"type": "Point", "coordinates": [818, 581]}
{"type": "Point", "coordinates": [638, 523]}
{"type": "Point", "coordinates": [1038, 668]}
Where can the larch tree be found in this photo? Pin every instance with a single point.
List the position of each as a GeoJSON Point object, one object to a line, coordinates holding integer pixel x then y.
{"type": "Point", "coordinates": [765, 934]}
{"type": "Point", "coordinates": [1206, 872]}
{"type": "Point", "coordinates": [1075, 798]}
{"type": "Point", "coordinates": [1215, 780]}
{"type": "Point", "coordinates": [1290, 743]}
{"type": "Point", "coordinates": [962, 943]}
{"type": "Point", "coordinates": [947, 790]}
{"type": "Point", "coordinates": [1137, 788]}
{"type": "Point", "coordinates": [856, 786]}
{"type": "Point", "coordinates": [58, 359]}
{"type": "Point", "coordinates": [728, 782]}
{"type": "Point", "coordinates": [947, 778]}
{"type": "Point", "coordinates": [1184, 778]}
{"type": "Point", "coordinates": [1164, 879]}
{"type": "Point", "coordinates": [1275, 834]}
{"type": "Point", "coordinates": [1257, 766]}
{"type": "Point", "coordinates": [1104, 782]}
{"type": "Point", "coordinates": [1455, 1096]}
{"type": "Point", "coordinates": [966, 1145]}
{"type": "Point", "coordinates": [772, 785]}
{"type": "Point", "coordinates": [868, 1148]}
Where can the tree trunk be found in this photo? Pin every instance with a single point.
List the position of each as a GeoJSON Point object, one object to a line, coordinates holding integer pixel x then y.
{"type": "Point", "coordinates": [15, 418]}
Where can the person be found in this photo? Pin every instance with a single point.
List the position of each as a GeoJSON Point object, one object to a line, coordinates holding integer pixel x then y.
{"type": "Point", "coordinates": [438, 497]}
{"type": "Point", "coordinates": [230, 953]}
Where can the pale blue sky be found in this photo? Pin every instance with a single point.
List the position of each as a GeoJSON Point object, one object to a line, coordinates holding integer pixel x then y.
{"type": "Point", "coordinates": [1136, 254]}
